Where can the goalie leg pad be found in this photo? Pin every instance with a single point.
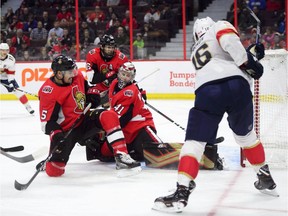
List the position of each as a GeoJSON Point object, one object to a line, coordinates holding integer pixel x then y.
{"type": "Point", "coordinates": [55, 169]}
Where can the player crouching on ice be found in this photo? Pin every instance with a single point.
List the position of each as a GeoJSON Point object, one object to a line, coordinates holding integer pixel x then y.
{"type": "Point", "coordinates": [63, 99]}
{"type": "Point", "coordinates": [137, 123]}
{"type": "Point", "coordinates": [7, 75]}
{"type": "Point", "coordinates": [224, 73]}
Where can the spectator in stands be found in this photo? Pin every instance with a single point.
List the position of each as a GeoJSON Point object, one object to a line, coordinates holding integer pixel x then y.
{"type": "Point", "coordinates": [261, 4]}
{"type": "Point", "coordinates": [113, 29]}
{"type": "Point", "coordinates": [12, 49]}
{"type": "Point", "coordinates": [83, 27]}
{"type": "Point", "coordinates": [86, 39]}
{"type": "Point", "coordinates": [168, 14]}
{"type": "Point", "coordinates": [24, 47]}
{"type": "Point", "coordinates": [268, 37]}
{"type": "Point", "coordinates": [52, 41]}
{"type": "Point", "coordinates": [26, 56]}
{"type": "Point", "coordinates": [15, 25]}
{"type": "Point", "coordinates": [111, 13]}
{"type": "Point", "coordinates": [126, 21]}
{"type": "Point", "coordinates": [31, 24]}
{"type": "Point", "coordinates": [4, 25]}
{"type": "Point", "coordinates": [121, 37]}
{"type": "Point", "coordinates": [96, 16]}
{"type": "Point", "coordinates": [278, 42]}
{"type": "Point", "coordinates": [47, 22]}
{"type": "Point", "coordinates": [64, 17]}
{"type": "Point", "coordinates": [112, 21]}
{"type": "Point", "coordinates": [112, 3]}
{"type": "Point", "coordinates": [281, 27]}
{"type": "Point", "coordinates": [152, 15]}
{"type": "Point", "coordinates": [67, 39]}
{"type": "Point", "coordinates": [24, 14]}
{"type": "Point", "coordinates": [139, 47]}
{"type": "Point", "coordinates": [57, 29]}
{"type": "Point", "coordinates": [99, 3]}
{"type": "Point", "coordinates": [39, 33]}
{"type": "Point", "coordinates": [19, 39]}
{"type": "Point", "coordinates": [9, 15]}
{"type": "Point", "coordinates": [274, 5]}
{"type": "Point", "coordinates": [98, 38]}
{"type": "Point", "coordinates": [85, 3]}
{"type": "Point", "coordinates": [43, 56]}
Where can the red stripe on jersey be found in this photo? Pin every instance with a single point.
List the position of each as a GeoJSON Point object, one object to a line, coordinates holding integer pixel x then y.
{"type": "Point", "coordinates": [225, 31]}
{"type": "Point", "coordinates": [10, 72]}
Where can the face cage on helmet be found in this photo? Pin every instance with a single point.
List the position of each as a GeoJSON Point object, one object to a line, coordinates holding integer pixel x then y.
{"type": "Point", "coordinates": [123, 79]}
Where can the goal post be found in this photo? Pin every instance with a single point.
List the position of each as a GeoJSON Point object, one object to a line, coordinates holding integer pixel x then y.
{"type": "Point", "coordinates": [271, 108]}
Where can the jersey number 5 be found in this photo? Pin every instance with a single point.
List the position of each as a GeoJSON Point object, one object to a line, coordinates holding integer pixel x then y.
{"type": "Point", "coordinates": [202, 57]}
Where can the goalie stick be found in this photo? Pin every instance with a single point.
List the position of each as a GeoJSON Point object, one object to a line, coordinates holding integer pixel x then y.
{"type": "Point", "coordinates": [12, 149]}
{"type": "Point", "coordinates": [19, 186]}
{"type": "Point", "coordinates": [26, 158]}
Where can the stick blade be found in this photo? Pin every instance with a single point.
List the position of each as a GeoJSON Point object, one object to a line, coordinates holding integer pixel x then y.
{"type": "Point", "coordinates": [19, 186]}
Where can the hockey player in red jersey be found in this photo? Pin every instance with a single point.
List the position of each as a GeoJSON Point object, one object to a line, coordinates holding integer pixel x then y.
{"type": "Point", "coordinates": [7, 75]}
{"type": "Point", "coordinates": [63, 98]}
{"type": "Point", "coordinates": [223, 79]}
{"type": "Point", "coordinates": [102, 63]}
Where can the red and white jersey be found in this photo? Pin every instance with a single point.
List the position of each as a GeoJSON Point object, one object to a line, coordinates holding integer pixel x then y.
{"type": "Point", "coordinates": [218, 54]}
{"type": "Point", "coordinates": [7, 68]}
{"type": "Point", "coordinates": [121, 101]}
{"type": "Point", "coordinates": [71, 100]}
{"type": "Point", "coordinates": [94, 59]}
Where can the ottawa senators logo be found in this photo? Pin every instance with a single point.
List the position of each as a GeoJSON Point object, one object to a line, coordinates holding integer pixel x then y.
{"type": "Point", "coordinates": [79, 98]}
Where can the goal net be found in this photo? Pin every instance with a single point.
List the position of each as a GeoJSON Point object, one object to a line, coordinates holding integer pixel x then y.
{"type": "Point", "coordinates": [271, 108]}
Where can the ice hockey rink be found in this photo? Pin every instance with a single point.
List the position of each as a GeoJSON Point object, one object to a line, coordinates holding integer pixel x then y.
{"type": "Point", "coordinates": [92, 188]}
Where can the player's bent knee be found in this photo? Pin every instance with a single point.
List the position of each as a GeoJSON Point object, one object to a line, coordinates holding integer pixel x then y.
{"type": "Point", "coordinates": [55, 169]}
{"type": "Point", "coordinates": [246, 141]}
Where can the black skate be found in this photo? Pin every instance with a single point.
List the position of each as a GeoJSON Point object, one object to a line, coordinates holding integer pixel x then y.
{"type": "Point", "coordinates": [176, 201]}
{"type": "Point", "coordinates": [125, 165]}
{"type": "Point", "coordinates": [265, 183]}
{"type": "Point", "coordinates": [29, 109]}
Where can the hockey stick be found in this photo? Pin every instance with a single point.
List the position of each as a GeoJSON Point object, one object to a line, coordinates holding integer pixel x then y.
{"type": "Point", "coordinates": [19, 186]}
{"type": "Point", "coordinates": [143, 78]}
{"type": "Point", "coordinates": [165, 116]}
{"type": "Point", "coordinates": [12, 149]}
{"type": "Point", "coordinates": [256, 89]}
{"type": "Point", "coordinates": [34, 95]}
{"type": "Point", "coordinates": [26, 158]}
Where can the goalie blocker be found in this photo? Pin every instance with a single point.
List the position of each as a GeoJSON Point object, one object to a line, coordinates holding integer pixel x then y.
{"type": "Point", "coordinates": [166, 156]}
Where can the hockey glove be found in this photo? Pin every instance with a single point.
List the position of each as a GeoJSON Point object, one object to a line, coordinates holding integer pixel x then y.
{"type": "Point", "coordinates": [253, 67]}
{"type": "Point", "coordinates": [57, 139]}
{"type": "Point", "coordinates": [93, 97]}
{"type": "Point", "coordinates": [111, 75]}
{"type": "Point", "coordinates": [257, 50]}
{"type": "Point", "coordinates": [12, 85]}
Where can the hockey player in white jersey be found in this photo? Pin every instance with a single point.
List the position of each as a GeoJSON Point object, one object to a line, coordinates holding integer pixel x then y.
{"type": "Point", "coordinates": [7, 76]}
{"type": "Point", "coordinates": [224, 73]}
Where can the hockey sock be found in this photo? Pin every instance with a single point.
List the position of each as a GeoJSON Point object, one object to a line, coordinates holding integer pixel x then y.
{"type": "Point", "coordinates": [255, 154]}
{"type": "Point", "coordinates": [188, 166]}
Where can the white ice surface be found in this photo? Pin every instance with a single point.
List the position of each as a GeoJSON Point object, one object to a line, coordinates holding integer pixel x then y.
{"type": "Point", "coordinates": [92, 188]}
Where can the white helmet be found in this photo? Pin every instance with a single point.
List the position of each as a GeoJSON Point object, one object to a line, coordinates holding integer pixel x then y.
{"type": "Point", "coordinates": [4, 46]}
{"type": "Point", "coordinates": [126, 74]}
{"type": "Point", "coordinates": [201, 26]}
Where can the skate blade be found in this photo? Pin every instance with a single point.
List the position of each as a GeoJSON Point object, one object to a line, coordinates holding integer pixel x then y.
{"type": "Point", "coordinates": [273, 193]}
{"type": "Point", "coordinates": [176, 208]}
{"type": "Point", "coordinates": [128, 172]}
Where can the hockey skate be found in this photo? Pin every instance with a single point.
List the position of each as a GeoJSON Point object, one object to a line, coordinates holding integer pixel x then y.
{"type": "Point", "coordinates": [176, 201]}
{"type": "Point", "coordinates": [265, 183]}
{"type": "Point", "coordinates": [29, 109]}
{"type": "Point", "coordinates": [125, 165]}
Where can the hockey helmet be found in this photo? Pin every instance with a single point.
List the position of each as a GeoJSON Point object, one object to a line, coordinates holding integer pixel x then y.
{"type": "Point", "coordinates": [126, 74]}
{"type": "Point", "coordinates": [4, 50]}
{"type": "Point", "coordinates": [107, 40]}
{"type": "Point", "coordinates": [64, 64]}
{"type": "Point", "coordinates": [201, 26]}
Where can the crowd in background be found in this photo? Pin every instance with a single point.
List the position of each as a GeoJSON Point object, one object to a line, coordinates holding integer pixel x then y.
{"type": "Point", "coordinates": [41, 29]}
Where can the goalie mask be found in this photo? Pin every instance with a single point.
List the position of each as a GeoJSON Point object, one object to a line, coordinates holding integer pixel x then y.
{"type": "Point", "coordinates": [107, 46]}
{"type": "Point", "coordinates": [126, 74]}
{"type": "Point", "coordinates": [201, 26]}
{"type": "Point", "coordinates": [4, 50]}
